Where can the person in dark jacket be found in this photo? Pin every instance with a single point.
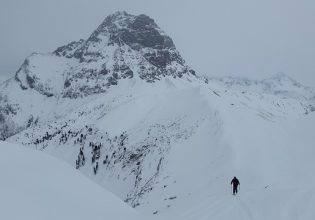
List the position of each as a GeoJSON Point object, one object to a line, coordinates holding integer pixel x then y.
{"type": "Point", "coordinates": [235, 182]}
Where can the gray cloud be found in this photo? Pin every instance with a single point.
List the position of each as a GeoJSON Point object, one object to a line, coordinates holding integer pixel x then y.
{"type": "Point", "coordinates": [227, 37]}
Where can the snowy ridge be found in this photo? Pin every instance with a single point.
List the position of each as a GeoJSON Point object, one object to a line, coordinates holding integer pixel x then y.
{"type": "Point", "coordinates": [124, 109]}
{"type": "Point", "coordinates": [279, 84]}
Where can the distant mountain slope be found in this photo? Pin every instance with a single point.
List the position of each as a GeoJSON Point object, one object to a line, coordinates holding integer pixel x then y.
{"type": "Point", "coordinates": [37, 186]}
{"type": "Point", "coordinates": [279, 84]}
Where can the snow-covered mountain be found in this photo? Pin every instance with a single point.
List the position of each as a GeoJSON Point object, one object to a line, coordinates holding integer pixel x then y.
{"type": "Point", "coordinates": [123, 46]}
{"type": "Point", "coordinates": [125, 109]}
{"type": "Point", "coordinates": [279, 84]}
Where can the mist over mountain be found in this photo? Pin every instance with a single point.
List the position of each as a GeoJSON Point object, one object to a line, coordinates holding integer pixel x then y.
{"type": "Point", "coordinates": [124, 108]}
{"type": "Point", "coordinates": [3, 77]}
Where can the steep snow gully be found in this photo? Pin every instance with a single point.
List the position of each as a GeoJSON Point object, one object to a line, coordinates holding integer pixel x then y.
{"type": "Point", "coordinates": [124, 109]}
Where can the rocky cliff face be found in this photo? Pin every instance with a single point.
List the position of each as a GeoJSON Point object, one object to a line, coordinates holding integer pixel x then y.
{"type": "Point", "coordinates": [124, 46]}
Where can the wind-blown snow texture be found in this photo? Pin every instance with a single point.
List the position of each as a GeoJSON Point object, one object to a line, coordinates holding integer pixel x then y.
{"type": "Point", "coordinates": [38, 186]}
{"type": "Point", "coordinates": [125, 109]}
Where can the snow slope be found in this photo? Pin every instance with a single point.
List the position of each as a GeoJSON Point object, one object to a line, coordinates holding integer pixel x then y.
{"type": "Point", "coordinates": [184, 142]}
{"type": "Point", "coordinates": [274, 162]}
{"type": "Point", "coordinates": [37, 186]}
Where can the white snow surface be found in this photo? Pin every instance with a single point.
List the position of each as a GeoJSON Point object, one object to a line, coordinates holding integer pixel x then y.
{"type": "Point", "coordinates": [274, 162]}
{"type": "Point", "coordinates": [199, 136]}
{"type": "Point", "coordinates": [36, 186]}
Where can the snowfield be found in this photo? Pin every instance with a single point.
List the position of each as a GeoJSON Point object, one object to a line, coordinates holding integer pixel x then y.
{"type": "Point", "coordinates": [185, 141]}
{"type": "Point", "coordinates": [36, 186]}
{"type": "Point", "coordinates": [273, 161]}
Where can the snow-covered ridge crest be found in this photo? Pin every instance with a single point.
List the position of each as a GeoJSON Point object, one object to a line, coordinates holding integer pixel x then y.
{"type": "Point", "coordinates": [278, 84]}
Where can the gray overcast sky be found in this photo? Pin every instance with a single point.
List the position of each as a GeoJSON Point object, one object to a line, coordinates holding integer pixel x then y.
{"type": "Point", "coordinates": [254, 38]}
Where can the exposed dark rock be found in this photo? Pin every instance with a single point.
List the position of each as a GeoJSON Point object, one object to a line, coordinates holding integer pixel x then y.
{"type": "Point", "coordinates": [67, 83]}
{"type": "Point", "coordinates": [30, 81]}
{"type": "Point", "coordinates": [69, 49]}
{"type": "Point", "coordinates": [194, 73]}
{"type": "Point", "coordinates": [104, 71]}
{"type": "Point", "coordinates": [112, 81]}
{"type": "Point", "coordinates": [159, 59]}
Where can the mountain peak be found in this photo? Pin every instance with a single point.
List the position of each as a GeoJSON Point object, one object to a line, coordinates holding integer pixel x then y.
{"type": "Point", "coordinates": [119, 19]}
{"type": "Point", "coordinates": [135, 31]}
{"type": "Point", "coordinates": [123, 46]}
{"type": "Point", "coordinates": [119, 13]}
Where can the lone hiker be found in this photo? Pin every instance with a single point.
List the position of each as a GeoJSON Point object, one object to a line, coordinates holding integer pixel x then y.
{"type": "Point", "coordinates": [235, 184]}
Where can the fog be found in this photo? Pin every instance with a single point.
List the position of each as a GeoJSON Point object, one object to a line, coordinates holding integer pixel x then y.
{"type": "Point", "coordinates": [225, 37]}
